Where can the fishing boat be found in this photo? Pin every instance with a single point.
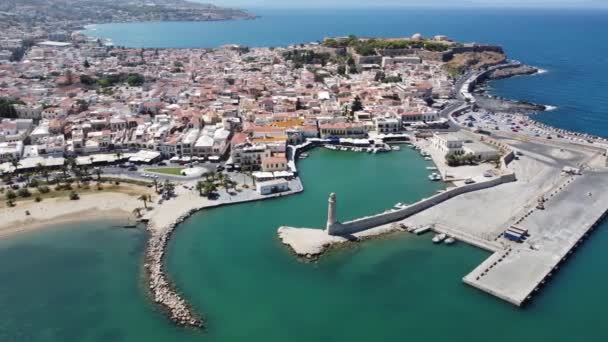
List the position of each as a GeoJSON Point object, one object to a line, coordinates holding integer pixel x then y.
{"type": "Point", "coordinates": [439, 237]}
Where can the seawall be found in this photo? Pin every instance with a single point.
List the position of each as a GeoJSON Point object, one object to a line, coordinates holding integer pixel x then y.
{"type": "Point", "coordinates": [361, 224]}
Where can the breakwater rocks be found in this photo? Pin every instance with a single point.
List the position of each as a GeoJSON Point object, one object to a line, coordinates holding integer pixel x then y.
{"type": "Point", "coordinates": [502, 105]}
{"type": "Point", "coordinates": [162, 290]}
{"type": "Point", "coordinates": [520, 70]}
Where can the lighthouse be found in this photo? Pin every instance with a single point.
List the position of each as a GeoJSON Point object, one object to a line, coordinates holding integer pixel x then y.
{"type": "Point", "coordinates": [331, 213]}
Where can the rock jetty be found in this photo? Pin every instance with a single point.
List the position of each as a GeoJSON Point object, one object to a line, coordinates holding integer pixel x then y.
{"type": "Point", "coordinates": [162, 222]}
{"type": "Point", "coordinates": [162, 290]}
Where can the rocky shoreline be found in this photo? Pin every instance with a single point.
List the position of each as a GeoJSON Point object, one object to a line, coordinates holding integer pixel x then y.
{"type": "Point", "coordinates": [162, 290]}
{"type": "Point", "coordinates": [499, 104]}
{"type": "Point", "coordinates": [521, 70]}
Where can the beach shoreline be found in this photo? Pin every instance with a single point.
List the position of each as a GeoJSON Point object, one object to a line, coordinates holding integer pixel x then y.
{"type": "Point", "coordinates": [62, 211]}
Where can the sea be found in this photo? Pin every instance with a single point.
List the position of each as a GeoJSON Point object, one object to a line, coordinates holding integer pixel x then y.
{"type": "Point", "coordinates": [85, 282]}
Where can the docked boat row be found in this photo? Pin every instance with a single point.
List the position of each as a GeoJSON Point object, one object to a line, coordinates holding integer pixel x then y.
{"type": "Point", "coordinates": [439, 238]}
{"type": "Point", "coordinates": [373, 149]}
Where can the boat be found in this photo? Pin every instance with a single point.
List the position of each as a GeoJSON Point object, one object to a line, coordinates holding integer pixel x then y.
{"type": "Point", "coordinates": [422, 230]}
{"type": "Point", "coordinates": [428, 158]}
{"type": "Point", "coordinates": [450, 240]}
{"type": "Point", "coordinates": [435, 177]}
{"type": "Point", "coordinates": [395, 148]}
{"type": "Point", "coordinates": [303, 156]}
{"type": "Point", "coordinates": [439, 237]}
{"type": "Point", "coordinates": [431, 168]}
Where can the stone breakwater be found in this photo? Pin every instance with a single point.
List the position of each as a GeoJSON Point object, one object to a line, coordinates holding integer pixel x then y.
{"type": "Point", "coordinates": [161, 226]}
{"type": "Point", "coordinates": [162, 290]}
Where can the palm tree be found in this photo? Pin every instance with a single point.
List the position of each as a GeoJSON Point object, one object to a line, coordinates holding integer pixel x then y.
{"type": "Point", "coordinates": [137, 212]}
{"type": "Point", "coordinates": [45, 173]}
{"type": "Point", "coordinates": [155, 182]}
{"type": "Point", "coordinates": [14, 162]}
{"type": "Point", "coordinates": [200, 186]}
{"type": "Point", "coordinates": [145, 198]}
{"type": "Point", "coordinates": [208, 188]}
{"type": "Point", "coordinates": [169, 187]}
{"type": "Point", "coordinates": [212, 175]}
{"type": "Point", "coordinates": [98, 172]}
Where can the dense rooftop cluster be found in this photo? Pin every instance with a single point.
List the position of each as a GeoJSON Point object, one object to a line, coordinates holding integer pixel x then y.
{"type": "Point", "coordinates": [235, 103]}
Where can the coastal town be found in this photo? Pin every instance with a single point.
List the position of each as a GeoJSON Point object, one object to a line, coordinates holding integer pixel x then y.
{"type": "Point", "coordinates": [158, 134]}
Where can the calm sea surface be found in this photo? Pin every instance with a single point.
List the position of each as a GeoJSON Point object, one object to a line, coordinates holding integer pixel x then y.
{"type": "Point", "coordinates": [84, 283]}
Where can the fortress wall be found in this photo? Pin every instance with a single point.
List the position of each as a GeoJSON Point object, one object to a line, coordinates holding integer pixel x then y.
{"type": "Point", "coordinates": [365, 223]}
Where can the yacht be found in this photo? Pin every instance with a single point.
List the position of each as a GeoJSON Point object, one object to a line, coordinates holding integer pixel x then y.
{"type": "Point", "coordinates": [395, 148]}
{"type": "Point", "coordinates": [438, 238]}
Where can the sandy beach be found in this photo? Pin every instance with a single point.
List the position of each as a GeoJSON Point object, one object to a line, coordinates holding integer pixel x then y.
{"type": "Point", "coordinates": [54, 211]}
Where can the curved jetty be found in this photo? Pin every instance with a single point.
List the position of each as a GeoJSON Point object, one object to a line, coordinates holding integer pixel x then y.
{"type": "Point", "coordinates": [162, 222]}
{"type": "Point", "coordinates": [163, 292]}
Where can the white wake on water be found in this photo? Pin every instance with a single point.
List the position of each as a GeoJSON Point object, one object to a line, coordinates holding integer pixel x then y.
{"type": "Point", "coordinates": [550, 108]}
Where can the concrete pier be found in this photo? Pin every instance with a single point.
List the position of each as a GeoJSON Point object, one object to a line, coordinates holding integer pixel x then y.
{"type": "Point", "coordinates": [572, 211]}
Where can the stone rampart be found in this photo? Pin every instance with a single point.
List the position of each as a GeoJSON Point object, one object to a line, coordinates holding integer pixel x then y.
{"type": "Point", "coordinates": [361, 224]}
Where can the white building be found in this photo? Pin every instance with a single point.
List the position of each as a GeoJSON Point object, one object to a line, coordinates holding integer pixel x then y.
{"type": "Point", "coordinates": [28, 111]}
{"type": "Point", "coordinates": [272, 186]}
{"type": "Point", "coordinates": [447, 142]}
{"type": "Point", "coordinates": [387, 125]}
{"type": "Point", "coordinates": [10, 150]}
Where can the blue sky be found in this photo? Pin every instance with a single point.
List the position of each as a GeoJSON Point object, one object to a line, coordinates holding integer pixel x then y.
{"type": "Point", "coordinates": [413, 3]}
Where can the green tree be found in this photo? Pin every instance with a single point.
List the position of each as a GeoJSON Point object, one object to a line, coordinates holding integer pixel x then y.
{"type": "Point", "coordinates": [135, 80]}
{"type": "Point", "coordinates": [357, 105]}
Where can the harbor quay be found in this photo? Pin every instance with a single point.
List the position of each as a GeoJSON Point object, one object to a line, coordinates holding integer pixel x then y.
{"type": "Point", "coordinates": [536, 193]}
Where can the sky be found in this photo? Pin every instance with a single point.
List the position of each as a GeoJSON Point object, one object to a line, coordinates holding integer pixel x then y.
{"type": "Point", "coordinates": [583, 4]}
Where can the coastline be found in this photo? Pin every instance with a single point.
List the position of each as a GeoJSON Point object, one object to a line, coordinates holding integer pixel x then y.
{"type": "Point", "coordinates": [56, 211]}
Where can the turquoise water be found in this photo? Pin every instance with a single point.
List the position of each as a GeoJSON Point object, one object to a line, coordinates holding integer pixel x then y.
{"type": "Point", "coordinates": [83, 282]}
{"type": "Point", "coordinates": [567, 43]}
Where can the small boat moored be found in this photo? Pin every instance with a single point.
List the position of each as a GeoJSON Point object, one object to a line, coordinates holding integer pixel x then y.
{"type": "Point", "coordinates": [439, 238]}
{"type": "Point", "coordinates": [450, 240]}
{"type": "Point", "coordinates": [435, 177]}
